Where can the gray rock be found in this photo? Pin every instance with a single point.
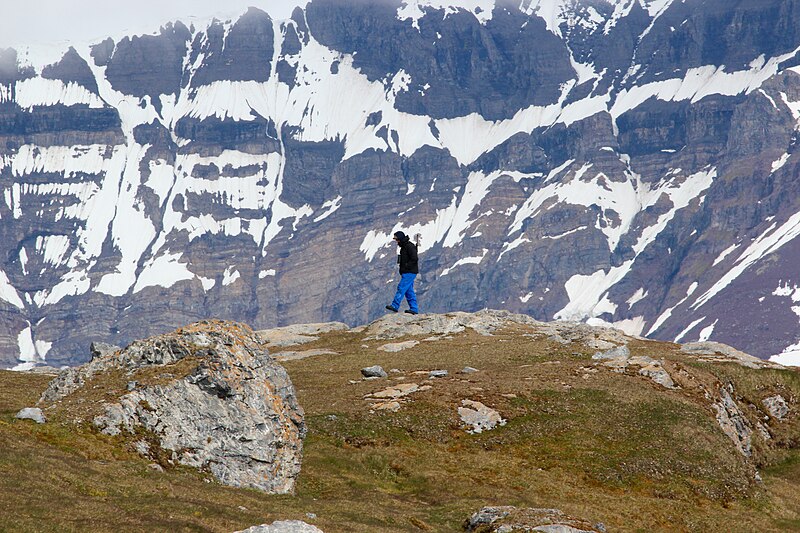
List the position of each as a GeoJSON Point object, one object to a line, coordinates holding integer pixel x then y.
{"type": "Point", "coordinates": [437, 374]}
{"type": "Point", "coordinates": [101, 349]}
{"type": "Point", "coordinates": [297, 333]}
{"type": "Point", "coordinates": [733, 422]}
{"type": "Point", "coordinates": [283, 526]}
{"type": "Point", "coordinates": [722, 353]}
{"type": "Point", "coordinates": [375, 371]}
{"type": "Point", "coordinates": [485, 322]}
{"type": "Point", "coordinates": [235, 413]}
{"type": "Point", "coordinates": [777, 406]}
{"type": "Point", "coordinates": [32, 413]}
{"type": "Point", "coordinates": [398, 346]}
{"type": "Point", "coordinates": [559, 528]}
{"type": "Point", "coordinates": [468, 370]}
{"type": "Point", "coordinates": [507, 518]}
{"type": "Point", "coordinates": [395, 391]}
{"type": "Point", "coordinates": [620, 352]}
{"type": "Point", "coordinates": [488, 516]}
{"type": "Point", "coordinates": [658, 374]}
{"type": "Point", "coordinates": [479, 417]}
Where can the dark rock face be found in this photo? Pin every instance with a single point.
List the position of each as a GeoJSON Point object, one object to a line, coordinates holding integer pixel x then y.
{"type": "Point", "coordinates": [618, 163]}
{"type": "Point", "coordinates": [148, 65]}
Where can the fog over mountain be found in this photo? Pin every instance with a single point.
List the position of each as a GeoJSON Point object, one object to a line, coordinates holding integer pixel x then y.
{"type": "Point", "coordinates": [623, 162]}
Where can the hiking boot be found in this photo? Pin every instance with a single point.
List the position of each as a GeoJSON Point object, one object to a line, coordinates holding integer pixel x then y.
{"type": "Point", "coordinates": [390, 308]}
{"type": "Point", "coordinates": [410, 312]}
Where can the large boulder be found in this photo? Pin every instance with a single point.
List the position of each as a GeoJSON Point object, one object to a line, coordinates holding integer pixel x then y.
{"type": "Point", "coordinates": [206, 395]}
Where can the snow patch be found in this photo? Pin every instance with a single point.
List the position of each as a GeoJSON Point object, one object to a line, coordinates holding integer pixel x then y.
{"type": "Point", "coordinates": [790, 356]}
{"type": "Point", "coordinates": [414, 10]}
{"type": "Point", "coordinates": [163, 271]}
{"type": "Point", "coordinates": [768, 242]}
{"type": "Point", "coordinates": [8, 293]}
{"type": "Point", "coordinates": [329, 208]}
{"type": "Point", "coordinates": [638, 296]}
{"type": "Point", "coordinates": [721, 257]}
{"type": "Point", "coordinates": [689, 328]}
{"type": "Point", "coordinates": [39, 92]}
{"type": "Point", "coordinates": [465, 261]}
{"type": "Point", "coordinates": [230, 276]}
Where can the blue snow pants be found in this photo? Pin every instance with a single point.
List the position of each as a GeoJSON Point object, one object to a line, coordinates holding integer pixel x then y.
{"type": "Point", "coordinates": [406, 288]}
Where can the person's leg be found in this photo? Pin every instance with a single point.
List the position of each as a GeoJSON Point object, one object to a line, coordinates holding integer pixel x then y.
{"type": "Point", "coordinates": [411, 296]}
{"type": "Point", "coordinates": [402, 287]}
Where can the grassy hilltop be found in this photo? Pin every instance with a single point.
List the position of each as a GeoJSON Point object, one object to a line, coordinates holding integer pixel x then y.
{"type": "Point", "coordinates": [610, 447]}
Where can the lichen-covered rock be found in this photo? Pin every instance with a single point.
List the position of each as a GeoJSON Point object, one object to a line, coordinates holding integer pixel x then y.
{"type": "Point", "coordinates": [374, 371]}
{"type": "Point", "coordinates": [31, 413]}
{"type": "Point", "coordinates": [230, 409]}
{"type": "Point", "coordinates": [397, 346]}
{"type": "Point", "coordinates": [283, 526]}
{"type": "Point", "coordinates": [479, 417]}
{"type": "Point", "coordinates": [507, 518]}
{"type": "Point", "coordinates": [722, 353]}
{"type": "Point", "coordinates": [484, 322]}
{"type": "Point", "coordinates": [733, 421]}
{"type": "Point", "coordinates": [297, 333]}
{"type": "Point", "coordinates": [777, 406]}
{"type": "Point", "coordinates": [100, 349]}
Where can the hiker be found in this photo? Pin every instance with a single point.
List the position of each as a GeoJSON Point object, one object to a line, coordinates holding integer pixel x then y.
{"type": "Point", "coordinates": [409, 268]}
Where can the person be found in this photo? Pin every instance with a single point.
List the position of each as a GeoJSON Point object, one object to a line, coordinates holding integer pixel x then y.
{"type": "Point", "coordinates": [409, 268]}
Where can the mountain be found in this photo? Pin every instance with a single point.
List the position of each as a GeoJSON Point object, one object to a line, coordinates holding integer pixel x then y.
{"type": "Point", "coordinates": [621, 162]}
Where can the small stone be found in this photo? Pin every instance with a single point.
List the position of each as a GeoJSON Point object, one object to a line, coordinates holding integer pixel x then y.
{"type": "Point", "coordinates": [32, 413]}
{"type": "Point", "coordinates": [510, 396]}
{"type": "Point", "coordinates": [374, 371]}
{"type": "Point", "coordinates": [142, 447]}
{"type": "Point", "coordinates": [132, 385]}
{"type": "Point", "coordinates": [332, 417]}
{"type": "Point", "coordinates": [480, 417]}
{"type": "Point", "coordinates": [387, 406]}
{"type": "Point", "coordinates": [311, 516]}
{"type": "Point", "coordinates": [437, 374]}
{"type": "Point", "coordinates": [657, 373]}
{"type": "Point", "coordinates": [155, 466]}
{"type": "Point", "coordinates": [468, 370]}
{"type": "Point", "coordinates": [777, 406]}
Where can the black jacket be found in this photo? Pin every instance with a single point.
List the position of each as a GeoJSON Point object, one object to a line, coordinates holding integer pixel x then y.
{"type": "Point", "coordinates": [409, 263]}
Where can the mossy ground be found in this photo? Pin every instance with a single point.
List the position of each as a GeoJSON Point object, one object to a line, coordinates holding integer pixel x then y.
{"type": "Point", "coordinates": [603, 446]}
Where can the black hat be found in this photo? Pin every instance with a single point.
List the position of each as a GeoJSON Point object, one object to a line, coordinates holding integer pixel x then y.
{"type": "Point", "coordinates": [400, 236]}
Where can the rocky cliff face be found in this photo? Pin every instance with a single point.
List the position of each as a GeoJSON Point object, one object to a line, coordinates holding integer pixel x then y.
{"type": "Point", "coordinates": [624, 162]}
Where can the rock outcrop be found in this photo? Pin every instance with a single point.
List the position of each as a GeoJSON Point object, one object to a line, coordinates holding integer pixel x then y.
{"type": "Point", "coordinates": [207, 394]}
{"type": "Point", "coordinates": [283, 526]}
{"type": "Point", "coordinates": [484, 322]}
{"type": "Point", "coordinates": [505, 519]}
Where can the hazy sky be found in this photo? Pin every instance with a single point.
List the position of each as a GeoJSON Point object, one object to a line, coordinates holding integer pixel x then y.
{"type": "Point", "coordinates": [55, 21]}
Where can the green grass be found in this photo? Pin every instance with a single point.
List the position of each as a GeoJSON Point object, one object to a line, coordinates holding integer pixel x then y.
{"type": "Point", "coordinates": [608, 448]}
